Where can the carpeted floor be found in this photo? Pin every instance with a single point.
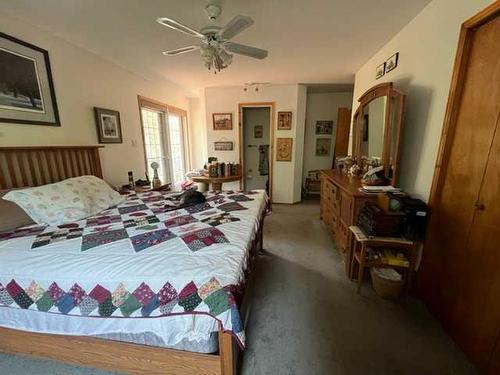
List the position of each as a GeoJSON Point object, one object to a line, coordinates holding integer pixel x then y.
{"type": "Point", "coordinates": [306, 318]}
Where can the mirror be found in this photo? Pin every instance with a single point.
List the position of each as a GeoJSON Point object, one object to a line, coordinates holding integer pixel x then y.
{"type": "Point", "coordinates": [372, 128]}
{"type": "Point", "coordinates": [377, 128]}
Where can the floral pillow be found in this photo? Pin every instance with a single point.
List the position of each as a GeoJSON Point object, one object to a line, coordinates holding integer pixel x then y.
{"type": "Point", "coordinates": [66, 201]}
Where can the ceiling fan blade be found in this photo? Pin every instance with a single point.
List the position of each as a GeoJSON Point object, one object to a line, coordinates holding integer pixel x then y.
{"type": "Point", "coordinates": [172, 24]}
{"type": "Point", "coordinates": [242, 49]}
{"type": "Point", "coordinates": [235, 26]}
{"type": "Point", "coordinates": [178, 51]}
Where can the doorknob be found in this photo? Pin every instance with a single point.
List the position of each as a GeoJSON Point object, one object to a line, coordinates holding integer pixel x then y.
{"type": "Point", "coordinates": [480, 206]}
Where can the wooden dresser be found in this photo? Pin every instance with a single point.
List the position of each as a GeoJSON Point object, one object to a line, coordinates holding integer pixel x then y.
{"type": "Point", "coordinates": [341, 202]}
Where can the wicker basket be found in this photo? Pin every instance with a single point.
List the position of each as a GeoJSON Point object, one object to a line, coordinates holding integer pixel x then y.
{"type": "Point", "coordinates": [386, 288]}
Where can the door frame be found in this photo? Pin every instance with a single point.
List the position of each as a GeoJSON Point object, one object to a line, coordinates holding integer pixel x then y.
{"type": "Point", "coordinates": [271, 106]}
{"type": "Point", "coordinates": [454, 99]}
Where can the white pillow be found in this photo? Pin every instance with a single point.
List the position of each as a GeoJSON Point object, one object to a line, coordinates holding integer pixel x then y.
{"type": "Point", "coordinates": [66, 201]}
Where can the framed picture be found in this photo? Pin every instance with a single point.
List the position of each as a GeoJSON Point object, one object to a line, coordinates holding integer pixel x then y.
{"type": "Point", "coordinates": [109, 128]}
{"type": "Point", "coordinates": [223, 146]}
{"type": "Point", "coordinates": [392, 62]}
{"type": "Point", "coordinates": [27, 93]}
{"type": "Point", "coordinates": [324, 127]}
{"type": "Point", "coordinates": [284, 120]}
{"type": "Point", "coordinates": [222, 121]}
{"type": "Point", "coordinates": [323, 146]}
{"type": "Point", "coordinates": [284, 148]}
{"type": "Point", "coordinates": [380, 71]}
{"type": "Point", "coordinates": [258, 131]}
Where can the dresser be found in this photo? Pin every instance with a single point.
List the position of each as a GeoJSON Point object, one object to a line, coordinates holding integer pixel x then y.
{"type": "Point", "coordinates": [341, 202]}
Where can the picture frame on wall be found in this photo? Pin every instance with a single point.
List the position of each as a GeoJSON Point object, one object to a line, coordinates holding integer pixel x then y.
{"type": "Point", "coordinates": [392, 62]}
{"type": "Point", "coordinates": [284, 148]}
{"type": "Point", "coordinates": [258, 131]}
{"type": "Point", "coordinates": [27, 94]}
{"type": "Point", "coordinates": [324, 127]}
{"type": "Point", "coordinates": [223, 146]}
{"type": "Point", "coordinates": [222, 121]}
{"type": "Point", "coordinates": [284, 120]}
{"type": "Point", "coordinates": [323, 146]}
{"type": "Point", "coordinates": [109, 128]}
{"type": "Point", "coordinates": [380, 71]}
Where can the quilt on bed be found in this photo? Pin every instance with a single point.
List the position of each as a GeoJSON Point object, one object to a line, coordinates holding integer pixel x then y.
{"type": "Point", "coordinates": [144, 258]}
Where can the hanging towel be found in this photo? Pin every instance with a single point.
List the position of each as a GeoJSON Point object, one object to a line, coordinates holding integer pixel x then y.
{"type": "Point", "coordinates": [264, 160]}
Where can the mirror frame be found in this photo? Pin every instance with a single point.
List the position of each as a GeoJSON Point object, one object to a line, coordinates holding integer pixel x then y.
{"type": "Point", "coordinates": [381, 90]}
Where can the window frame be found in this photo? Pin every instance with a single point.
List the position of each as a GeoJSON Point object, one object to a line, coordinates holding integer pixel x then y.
{"type": "Point", "coordinates": [166, 110]}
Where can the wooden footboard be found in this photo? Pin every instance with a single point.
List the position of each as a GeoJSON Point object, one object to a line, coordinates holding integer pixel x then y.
{"type": "Point", "coordinates": [120, 356]}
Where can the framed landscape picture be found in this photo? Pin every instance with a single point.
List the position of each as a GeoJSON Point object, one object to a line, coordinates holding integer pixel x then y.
{"type": "Point", "coordinates": [380, 71]}
{"type": "Point", "coordinates": [323, 146]}
{"type": "Point", "coordinates": [284, 148]}
{"type": "Point", "coordinates": [392, 62]}
{"type": "Point", "coordinates": [324, 127]}
{"type": "Point", "coordinates": [284, 120]}
{"type": "Point", "coordinates": [109, 128]}
{"type": "Point", "coordinates": [27, 93]}
{"type": "Point", "coordinates": [222, 121]}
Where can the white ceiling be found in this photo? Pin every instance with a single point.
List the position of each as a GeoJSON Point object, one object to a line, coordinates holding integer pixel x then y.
{"type": "Point", "coordinates": [309, 41]}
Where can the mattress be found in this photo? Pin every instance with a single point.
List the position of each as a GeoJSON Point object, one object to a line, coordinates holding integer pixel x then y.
{"type": "Point", "coordinates": [145, 271]}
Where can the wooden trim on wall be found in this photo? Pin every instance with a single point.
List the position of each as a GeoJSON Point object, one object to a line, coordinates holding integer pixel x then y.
{"type": "Point", "coordinates": [272, 112]}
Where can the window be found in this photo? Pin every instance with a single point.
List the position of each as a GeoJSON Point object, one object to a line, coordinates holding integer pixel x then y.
{"type": "Point", "coordinates": [164, 140]}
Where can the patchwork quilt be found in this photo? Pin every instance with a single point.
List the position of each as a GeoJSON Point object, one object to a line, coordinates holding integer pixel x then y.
{"type": "Point", "coordinates": [144, 258]}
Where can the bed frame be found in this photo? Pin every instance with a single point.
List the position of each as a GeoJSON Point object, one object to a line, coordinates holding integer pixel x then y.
{"type": "Point", "coordinates": [34, 166]}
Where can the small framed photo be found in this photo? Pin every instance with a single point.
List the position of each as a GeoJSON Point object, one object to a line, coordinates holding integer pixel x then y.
{"type": "Point", "coordinates": [284, 120]}
{"type": "Point", "coordinates": [109, 128]}
{"type": "Point", "coordinates": [284, 148]}
{"type": "Point", "coordinates": [323, 146]}
{"type": "Point", "coordinates": [380, 71]}
{"type": "Point", "coordinates": [258, 131]}
{"type": "Point", "coordinates": [223, 146]}
{"type": "Point", "coordinates": [324, 127]}
{"type": "Point", "coordinates": [392, 62]}
{"type": "Point", "coordinates": [222, 121]}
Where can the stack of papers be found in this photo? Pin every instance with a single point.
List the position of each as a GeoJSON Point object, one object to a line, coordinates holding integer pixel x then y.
{"type": "Point", "coordinates": [379, 189]}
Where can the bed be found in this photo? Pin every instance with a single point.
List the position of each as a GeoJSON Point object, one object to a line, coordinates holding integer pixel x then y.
{"type": "Point", "coordinates": [143, 287]}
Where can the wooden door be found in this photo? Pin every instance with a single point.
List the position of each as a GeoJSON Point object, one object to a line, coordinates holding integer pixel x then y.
{"type": "Point", "coordinates": [478, 305]}
{"type": "Point", "coordinates": [461, 266]}
{"type": "Point", "coordinates": [342, 133]}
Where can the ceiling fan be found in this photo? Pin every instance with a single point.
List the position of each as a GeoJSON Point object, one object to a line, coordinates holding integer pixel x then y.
{"type": "Point", "coordinates": [215, 45]}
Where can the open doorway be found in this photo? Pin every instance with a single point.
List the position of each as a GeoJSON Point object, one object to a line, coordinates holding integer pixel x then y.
{"type": "Point", "coordinates": [256, 145]}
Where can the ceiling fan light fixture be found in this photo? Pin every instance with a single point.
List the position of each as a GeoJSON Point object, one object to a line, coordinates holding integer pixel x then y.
{"type": "Point", "coordinates": [216, 49]}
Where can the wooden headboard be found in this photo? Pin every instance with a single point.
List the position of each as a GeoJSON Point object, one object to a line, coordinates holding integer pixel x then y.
{"type": "Point", "coordinates": [35, 166]}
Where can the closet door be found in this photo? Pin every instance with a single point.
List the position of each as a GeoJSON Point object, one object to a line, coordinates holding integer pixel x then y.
{"type": "Point", "coordinates": [478, 304]}
{"type": "Point", "coordinates": [461, 265]}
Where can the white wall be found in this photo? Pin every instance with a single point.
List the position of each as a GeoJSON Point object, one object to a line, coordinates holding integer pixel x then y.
{"type": "Point", "coordinates": [427, 47]}
{"type": "Point", "coordinates": [83, 80]}
{"type": "Point", "coordinates": [197, 132]}
{"type": "Point", "coordinates": [321, 106]}
{"type": "Point", "coordinates": [287, 98]}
